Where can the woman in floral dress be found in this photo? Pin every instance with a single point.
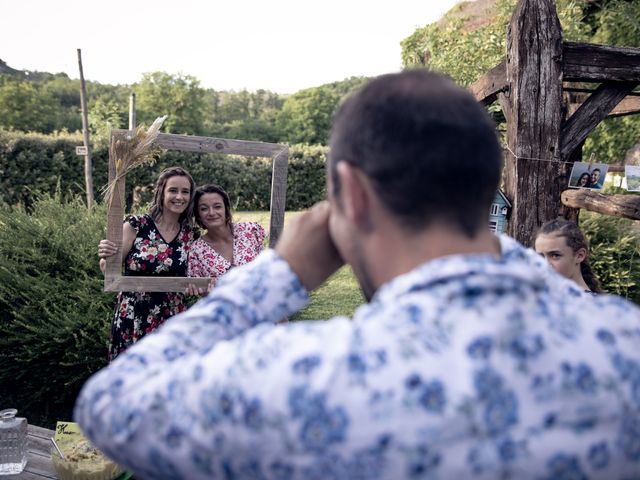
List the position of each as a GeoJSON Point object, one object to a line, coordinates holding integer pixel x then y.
{"type": "Point", "coordinates": [225, 244]}
{"type": "Point", "coordinates": [154, 244]}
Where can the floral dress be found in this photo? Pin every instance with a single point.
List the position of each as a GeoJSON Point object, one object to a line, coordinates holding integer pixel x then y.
{"type": "Point", "coordinates": [139, 313]}
{"type": "Point", "coordinates": [204, 261]}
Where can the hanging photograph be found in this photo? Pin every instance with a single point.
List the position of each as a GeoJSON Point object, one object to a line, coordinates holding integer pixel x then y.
{"type": "Point", "coordinates": [632, 174]}
{"type": "Point", "coordinates": [585, 175]}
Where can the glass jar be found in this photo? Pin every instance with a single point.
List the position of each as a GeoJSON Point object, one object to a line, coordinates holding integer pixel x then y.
{"type": "Point", "coordinates": [13, 442]}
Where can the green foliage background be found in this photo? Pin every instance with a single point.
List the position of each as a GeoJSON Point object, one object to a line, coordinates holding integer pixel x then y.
{"type": "Point", "coordinates": [33, 163]}
{"type": "Point", "coordinates": [54, 317]}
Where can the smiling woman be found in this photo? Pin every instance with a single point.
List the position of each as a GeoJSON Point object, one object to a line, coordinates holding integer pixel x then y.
{"type": "Point", "coordinates": [225, 244]}
{"type": "Point", "coordinates": [153, 244]}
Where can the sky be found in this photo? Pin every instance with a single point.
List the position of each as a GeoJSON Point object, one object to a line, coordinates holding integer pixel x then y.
{"type": "Point", "coordinates": [278, 45]}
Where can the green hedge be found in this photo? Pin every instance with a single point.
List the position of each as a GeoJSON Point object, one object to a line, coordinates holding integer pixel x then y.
{"type": "Point", "coordinates": [31, 163]}
{"type": "Point", "coordinates": [54, 317]}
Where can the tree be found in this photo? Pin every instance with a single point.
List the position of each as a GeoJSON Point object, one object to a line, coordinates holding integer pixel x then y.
{"type": "Point", "coordinates": [306, 115]}
{"type": "Point", "coordinates": [23, 107]}
{"type": "Point", "coordinates": [104, 115]}
{"type": "Point", "coordinates": [178, 96]}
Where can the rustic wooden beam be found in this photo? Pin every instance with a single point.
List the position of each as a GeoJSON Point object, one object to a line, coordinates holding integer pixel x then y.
{"type": "Point", "coordinates": [113, 267]}
{"type": "Point", "coordinates": [629, 105]}
{"type": "Point", "coordinates": [585, 62]}
{"type": "Point", "coordinates": [193, 143]}
{"type": "Point", "coordinates": [156, 284]}
{"type": "Point", "coordinates": [487, 87]}
{"type": "Point", "coordinates": [591, 113]}
{"type": "Point", "coordinates": [278, 195]}
{"type": "Point", "coordinates": [534, 75]}
{"type": "Point", "coordinates": [627, 206]}
{"type": "Point", "coordinates": [615, 168]}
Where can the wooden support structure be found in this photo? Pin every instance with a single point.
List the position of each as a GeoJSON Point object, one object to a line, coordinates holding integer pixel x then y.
{"type": "Point", "coordinates": [630, 105]}
{"type": "Point", "coordinates": [487, 87]}
{"type": "Point", "coordinates": [547, 120]}
{"type": "Point", "coordinates": [534, 76]}
{"type": "Point", "coordinates": [627, 206]}
{"type": "Point", "coordinates": [591, 113]}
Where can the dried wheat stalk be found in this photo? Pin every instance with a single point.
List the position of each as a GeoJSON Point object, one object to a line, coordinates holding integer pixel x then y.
{"type": "Point", "coordinates": [131, 152]}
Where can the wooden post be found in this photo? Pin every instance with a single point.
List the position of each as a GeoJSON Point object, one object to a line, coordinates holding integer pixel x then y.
{"type": "Point", "coordinates": [88, 175]}
{"type": "Point", "coordinates": [278, 195]}
{"type": "Point", "coordinates": [132, 111]}
{"type": "Point", "coordinates": [113, 268]}
{"type": "Point", "coordinates": [626, 206]}
{"type": "Point", "coordinates": [534, 95]}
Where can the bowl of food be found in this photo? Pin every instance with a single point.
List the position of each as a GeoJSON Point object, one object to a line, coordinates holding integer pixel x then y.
{"type": "Point", "coordinates": [83, 461]}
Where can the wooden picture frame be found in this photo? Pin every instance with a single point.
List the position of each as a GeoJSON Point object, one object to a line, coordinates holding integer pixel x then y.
{"type": "Point", "coordinates": [114, 281]}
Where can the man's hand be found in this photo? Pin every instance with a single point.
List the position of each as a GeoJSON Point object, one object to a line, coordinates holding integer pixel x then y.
{"type": "Point", "coordinates": [306, 245]}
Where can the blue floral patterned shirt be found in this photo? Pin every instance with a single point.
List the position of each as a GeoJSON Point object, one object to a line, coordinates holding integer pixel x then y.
{"type": "Point", "coordinates": [468, 366]}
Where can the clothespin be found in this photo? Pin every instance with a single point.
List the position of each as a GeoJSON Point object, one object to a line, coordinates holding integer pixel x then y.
{"type": "Point", "coordinates": [591, 157]}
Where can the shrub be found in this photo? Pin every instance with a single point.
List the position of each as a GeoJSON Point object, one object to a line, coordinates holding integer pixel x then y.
{"type": "Point", "coordinates": [615, 253]}
{"type": "Point", "coordinates": [55, 318]}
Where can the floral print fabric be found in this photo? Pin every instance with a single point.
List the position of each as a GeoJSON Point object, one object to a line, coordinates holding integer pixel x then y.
{"type": "Point", "coordinates": [469, 366]}
{"type": "Point", "coordinates": [204, 261]}
{"type": "Point", "coordinates": [139, 313]}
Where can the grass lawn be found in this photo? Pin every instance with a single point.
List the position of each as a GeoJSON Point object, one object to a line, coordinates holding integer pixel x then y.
{"type": "Point", "coordinates": [340, 295]}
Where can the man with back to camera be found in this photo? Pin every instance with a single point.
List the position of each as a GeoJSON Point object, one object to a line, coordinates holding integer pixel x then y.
{"type": "Point", "coordinates": [469, 359]}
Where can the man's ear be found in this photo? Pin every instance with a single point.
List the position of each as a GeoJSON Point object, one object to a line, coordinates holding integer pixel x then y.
{"type": "Point", "coordinates": [355, 193]}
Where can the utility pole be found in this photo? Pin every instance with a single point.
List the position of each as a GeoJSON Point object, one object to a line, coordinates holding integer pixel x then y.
{"type": "Point", "coordinates": [132, 111]}
{"type": "Point", "coordinates": [88, 178]}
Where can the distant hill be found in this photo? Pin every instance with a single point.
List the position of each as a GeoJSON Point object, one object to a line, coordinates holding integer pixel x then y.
{"type": "Point", "coordinates": [7, 70]}
{"type": "Point", "coordinates": [26, 74]}
{"type": "Point", "coordinates": [476, 13]}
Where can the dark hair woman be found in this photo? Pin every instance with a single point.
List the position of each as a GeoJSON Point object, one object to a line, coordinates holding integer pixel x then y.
{"type": "Point", "coordinates": [564, 246]}
{"type": "Point", "coordinates": [224, 244]}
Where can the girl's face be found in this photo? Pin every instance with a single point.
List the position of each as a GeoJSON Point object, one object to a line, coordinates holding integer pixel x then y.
{"type": "Point", "coordinates": [211, 210]}
{"type": "Point", "coordinates": [177, 194]}
{"type": "Point", "coordinates": [560, 256]}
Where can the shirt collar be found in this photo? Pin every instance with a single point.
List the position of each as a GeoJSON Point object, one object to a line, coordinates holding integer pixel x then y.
{"type": "Point", "coordinates": [458, 267]}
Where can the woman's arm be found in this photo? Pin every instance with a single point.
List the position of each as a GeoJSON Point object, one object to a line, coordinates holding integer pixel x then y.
{"type": "Point", "coordinates": [107, 248]}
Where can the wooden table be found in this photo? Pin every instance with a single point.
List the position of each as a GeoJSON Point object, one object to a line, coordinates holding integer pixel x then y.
{"type": "Point", "coordinates": [39, 465]}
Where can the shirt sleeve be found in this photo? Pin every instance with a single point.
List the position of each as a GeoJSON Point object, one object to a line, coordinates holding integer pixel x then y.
{"type": "Point", "coordinates": [134, 221]}
{"type": "Point", "coordinates": [160, 390]}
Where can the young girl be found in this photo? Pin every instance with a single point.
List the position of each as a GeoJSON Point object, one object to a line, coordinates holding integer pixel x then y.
{"type": "Point", "coordinates": [156, 243]}
{"type": "Point", "coordinates": [563, 245]}
{"type": "Point", "coordinates": [225, 244]}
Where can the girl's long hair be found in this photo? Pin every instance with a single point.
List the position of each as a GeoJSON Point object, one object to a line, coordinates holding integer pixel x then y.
{"type": "Point", "coordinates": [576, 240]}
